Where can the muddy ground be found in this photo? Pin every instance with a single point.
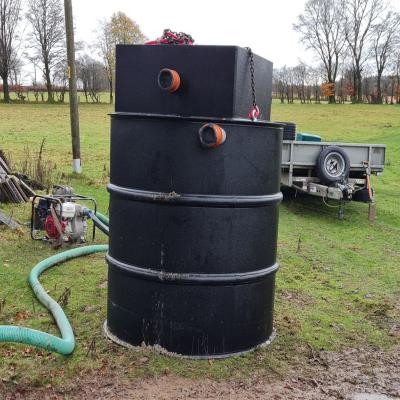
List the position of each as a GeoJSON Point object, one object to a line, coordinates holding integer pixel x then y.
{"type": "Point", "coordinates": [364, 374]}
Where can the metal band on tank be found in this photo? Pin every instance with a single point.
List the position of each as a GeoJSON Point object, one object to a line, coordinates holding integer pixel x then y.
{"type": "Point", "coordinates": [194, 199]}
{"type": "Point", "coordinates": [118, 115]}
{"type": "Point", "coordinates": [197, 279]}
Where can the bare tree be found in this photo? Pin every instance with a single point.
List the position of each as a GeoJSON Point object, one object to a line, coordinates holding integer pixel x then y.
{"type": "Point", "coordinates": [48, 36]}
{"type": "Point", "coordinates": [16, 82]}
{"type": "Point", "coordinates": [284, 80]}
{"type": "Point", "coordinates": [396, 73]}
{"type": "Point", "coordinates": [120, 29]}
{"type": "Point", "coordinates": [368, 88]}
{"type": "Point", "coordinates": [124, 30]}
{"type": "Point", "coordinates": [107, 52]}
{"type": "Point", "coordinates": [60, 81]}
{"type": "Point", "coordinates": [387, 88]}
{"type": "Point", "coordinates": [290, 86]}
{"type": "Point", "coordinates": [321, 29]}
{"type": "Point", "coordinates": [300, 76]}
{"type": "Point", "coordinates": [386, 37]}
{"type": "Point", "coordinates": [316, 76]}
{"type": "Point", "coordinates": [280, 83]}
{"type": "Point", "coordinates": [360, 17]}
{"type": "Point", "coordinates": [82, 74]}
{"type": "Point", "coordinates": [93, 77]}
{"type": "Point", "coordinates": [9, 18]}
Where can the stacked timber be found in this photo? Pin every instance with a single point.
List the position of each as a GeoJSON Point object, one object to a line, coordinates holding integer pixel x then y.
{"type": "Point", "coordinates": [13, 189]}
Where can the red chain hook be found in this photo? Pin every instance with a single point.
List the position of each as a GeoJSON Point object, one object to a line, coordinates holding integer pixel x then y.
{"type": "Point", "coordinates": [254, 113]}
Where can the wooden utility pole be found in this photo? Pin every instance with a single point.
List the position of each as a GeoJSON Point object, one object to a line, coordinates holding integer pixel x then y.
{"type": "Point", "coordinates": [73, 98]}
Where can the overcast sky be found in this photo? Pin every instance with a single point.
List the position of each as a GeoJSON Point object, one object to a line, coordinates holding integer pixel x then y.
{"type": "Point", "coordinates": [264, 25]}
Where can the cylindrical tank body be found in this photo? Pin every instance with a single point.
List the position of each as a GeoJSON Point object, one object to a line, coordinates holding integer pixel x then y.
{"type": "Point", "coordinates": [193, 233]}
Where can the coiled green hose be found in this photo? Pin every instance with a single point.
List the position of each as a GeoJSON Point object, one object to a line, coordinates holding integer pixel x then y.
{"type": "Point", "coordinates": [66, 344]}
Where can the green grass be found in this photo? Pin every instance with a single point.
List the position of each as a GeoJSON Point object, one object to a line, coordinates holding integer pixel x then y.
{"type": "Point", "coordinates": [338, 288]}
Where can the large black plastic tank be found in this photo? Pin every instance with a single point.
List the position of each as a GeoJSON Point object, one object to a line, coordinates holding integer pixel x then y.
{"type": "Point", "coordinates": [193, 232]}
{"type": "Point", "coordinates": [215, 81]}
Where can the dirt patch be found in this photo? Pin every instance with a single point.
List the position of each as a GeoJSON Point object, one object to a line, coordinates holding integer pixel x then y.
{"type": "Point", "coordinates": [350, 374]}
{"type": "Point", "coordinates": [103, 284]}
{"type": "Point", "coordinates": [299, 298]}
{"type": "Point", "coordinates": [384, 314]}
{"type": "Point", "coordinates": [359, 371]}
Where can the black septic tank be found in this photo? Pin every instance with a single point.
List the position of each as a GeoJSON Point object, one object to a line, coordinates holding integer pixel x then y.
{"type": "Point", "coordinates": [193, 203]}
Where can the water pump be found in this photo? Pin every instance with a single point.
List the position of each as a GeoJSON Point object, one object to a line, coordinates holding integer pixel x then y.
{"type": "Point", "coordinates": [59, 217]}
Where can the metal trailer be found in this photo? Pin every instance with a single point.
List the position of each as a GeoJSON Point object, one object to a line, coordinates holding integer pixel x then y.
{"type": "Point", "coordinates": [338, 171]}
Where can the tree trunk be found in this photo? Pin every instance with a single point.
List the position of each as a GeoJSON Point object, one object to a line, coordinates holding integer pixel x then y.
{"type": "Point", "coordinates": [359, 87]}
{"type": "Point", "coordinates": [111, 91]}
{"type": "Point", "coordinates": [6, 89]}
{"type": "Point", "coordinates": [355, 87]}
{"type": "Point", "coordinates": [392, 93]}
{"type": "Point", "coordinates": [50, 96]}
{"type": "Point", "coordinates": [85, 91]}
{"type": "Point", "coordinates": [378, 99]}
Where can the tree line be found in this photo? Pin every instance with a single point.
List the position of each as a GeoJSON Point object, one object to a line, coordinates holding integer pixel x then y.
{"type": "Point", "coordinates": [357, 44]}
{"type": "Point", "coordinates": [32, 33]}
{"type": "Point", "coordinates": [306, 84]}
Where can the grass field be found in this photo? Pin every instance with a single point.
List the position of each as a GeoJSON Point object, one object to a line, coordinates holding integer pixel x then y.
{"type": "Point", "coordinates": [338, 285]}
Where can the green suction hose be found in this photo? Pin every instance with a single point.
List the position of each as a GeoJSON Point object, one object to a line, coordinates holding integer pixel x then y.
{"type": "Point", "coordinates": [66, 344]}
{"type": "Point", "coordinates": [103, 218]}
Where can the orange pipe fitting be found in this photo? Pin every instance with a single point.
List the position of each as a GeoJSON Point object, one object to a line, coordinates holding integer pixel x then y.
{"type": "Point", "coordinates": [211, 136]}
{"type": "Point", "coordinates": [169, 80]}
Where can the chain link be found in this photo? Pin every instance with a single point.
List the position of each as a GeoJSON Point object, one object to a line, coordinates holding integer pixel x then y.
{"type": "Point", "coordinates": [170, 37]}
{"type": "Point", "coordinates": [253, 85]}
{"type": "Point", "coordinates": [255, 112]}
{"type": "Point", "coordinates": [177, 37]}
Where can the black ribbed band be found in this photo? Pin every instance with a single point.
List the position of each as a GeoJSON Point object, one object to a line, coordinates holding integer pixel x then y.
{"type": "Point", "coordinates": [193, 278]}
{"type": "Point", "coordinates": [170, 117]}
{"type": "Point", "coordinates": [194, 199]}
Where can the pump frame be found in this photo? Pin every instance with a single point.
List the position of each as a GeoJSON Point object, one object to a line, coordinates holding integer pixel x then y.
{"type": "Point", "coordinates": [58, 200]}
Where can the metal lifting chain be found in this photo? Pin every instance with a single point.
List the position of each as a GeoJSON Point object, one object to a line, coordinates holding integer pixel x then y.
{"type": "Point", "coordinates": [170, 37]}
{"type": "Point", "coordinates": [255, 111]}
{"type": "Point", "coordinates": [177, 37]}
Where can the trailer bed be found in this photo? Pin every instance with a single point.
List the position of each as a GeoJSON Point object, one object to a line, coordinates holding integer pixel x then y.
{"type": "Point", "coordinates": [304, 155]}
{"type": "Point", "coordinates": [301, 170]}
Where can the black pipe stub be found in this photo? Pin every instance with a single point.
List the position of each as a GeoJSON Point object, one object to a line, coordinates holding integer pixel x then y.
{"type": "Point", "coordinates": [211, 136]}
{"type": "Point", "coordinates": [169, 80]}
{"type": "Point", "coordinates": [289, 130]}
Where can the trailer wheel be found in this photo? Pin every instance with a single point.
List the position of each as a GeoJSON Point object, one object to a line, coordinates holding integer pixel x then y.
{"type": "Point", "coordinates": [333, 164]}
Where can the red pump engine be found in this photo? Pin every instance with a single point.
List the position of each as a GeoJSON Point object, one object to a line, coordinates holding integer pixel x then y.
{"type": "Point", "coordinates": [51, 228]}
